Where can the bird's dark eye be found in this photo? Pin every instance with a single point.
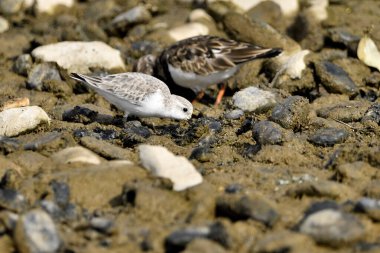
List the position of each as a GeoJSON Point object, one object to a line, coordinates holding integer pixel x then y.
{"type": "Point", "coordinates": [185, 109]}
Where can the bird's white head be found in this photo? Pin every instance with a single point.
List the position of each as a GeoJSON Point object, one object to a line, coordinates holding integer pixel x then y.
{"type": "Point", "coordinates": [181, 108]}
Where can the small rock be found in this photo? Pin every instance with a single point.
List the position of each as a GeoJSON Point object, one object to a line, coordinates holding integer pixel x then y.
{"type": "Point", "coordinates": [233, 188]}
{"type": "Point", "coordinates": [12, 200]}
{"type": "Point", "coordinates": [163, 163]}
{"type": "Point", "coordinates": [341, 36]}
{"type": "Point", "coordinates": [52, 209]}
{"type": "Point", "coordinates": [23, 64]}
{"type": "Point", "coordinates": [268, 133]}
{"type": "Point", "coordinates": [203, 245]}
{"type": "Point", "coordinates": [76, 154]}
{"type": "Point", "coordinates": [234, 114]}
{"type": "Point", "coordinates": [188, 30]}
{"type": "Point", "coordinates": [283, 241]}
{"type": "Point", "coordinates": [368, 53]}
{"type": "Point", "coordinates": [105, 149]}
{"type": "Point", "coordinates": [40, 143]}
{"type": "Point", "coordinates": [328, 137]}
{"type": "Point", "coordinates": [242, 207]}
{"type": "Point", "coordinates": [4, 25]}
{"type": "Point", "coordinates": [372, 114]}
{"type": "Point", "coordinates": [80, 56]}
{"type": "Point", "coordinates": [103, 225]}
{"type": "Point", "coordinates": [49, 6]}
{"type": "Point", "coordinates": [88, 113]}
{"type": "Point", "coordinates": [253, 99]}
{"type": "Point", "coordinates": [136, 15]}
{"type": "Point", "coordinates": [15, 121]}
{"type": "Point", "coordinates": [292, 64]}
{"type": "Point", "coordinates": [350, 111]}
{"type": "Point", "coordinates": [15, 103]}
{"type": "Point", "coordinates": [36, 232]}
{"type": "Point", "coordinates": [199, 15]}
{"type": "Point", "coordinates": [42, 72]}
{"type": "Point", "coordinates": [335, 79]}
{"type": "Point", "coordinates": [134, 133]}
{"type": "Point", "coordinates": [293, 113]}
{"type": "Point", "coordinates": [369, 206]}
{"type": "Point", "coordinates": [8, 145]}
{"type": "Point", "coordinates": [332, 227]}
{"type": "Point", "coordinates": [177, 241]}
{"type": "Point", "coordinates": [61, 193]}
{"type": "Point", "coordinates": [321, 188]}
{"type": "Point", "coordinates": [10, 6]}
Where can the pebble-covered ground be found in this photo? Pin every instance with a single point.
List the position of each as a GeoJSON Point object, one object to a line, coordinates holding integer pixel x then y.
{"type": "Point", "coordinates": [288, 162]}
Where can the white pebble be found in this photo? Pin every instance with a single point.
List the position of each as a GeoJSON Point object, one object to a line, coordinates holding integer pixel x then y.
{"type": "Point", "coordinates": [135, 15]}
{"type": "Point", "coordinates": [253, 99]}
{"type": "Point", "coordinates": [318, 8]}
{"type": "Point", "coordinates": [188, 30]}
{"type": "Point", "coordinates": [293, 64]}
{"type": "Point", "coordinates": [48, 6]}
{"type": "Point", "coordinates": [76, 154]}
{"type": "Point", "coordinates": [15, 121]}
{"type": "Point", "coordinates": [80, 56]}
{"type": "Point", "coordinates": [163, 163]}
{"type": "Point", "coordinates": [4, 25]}
{"type": "Point", "coordinates": [198, 15]}
{"type": "Point", "coordinates": [368, 53]}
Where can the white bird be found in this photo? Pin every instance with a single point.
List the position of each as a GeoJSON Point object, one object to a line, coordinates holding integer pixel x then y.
{"type": "Point", "coordinates": [138, 94]}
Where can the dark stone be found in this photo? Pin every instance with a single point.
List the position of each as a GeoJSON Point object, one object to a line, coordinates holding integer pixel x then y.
{"type": "Point", "coordinates": [81, 114]}
{"type": "Point", "coordinates": [249, 150]}
{"type": "Point", "coordinates": [329, 137]}
{"type": "Point", "coordinates": [335, 79]}
{"type": "Point", "coordinates": [245, 127]}
{"type": "Point", "coordinates": [200, 154]}
{"type": "Point", "coordinates": [12, 200]}
{"type": "Point", "coordinates": [103, 134]}
{"type": "Point", "coordinates": [135, 133]}
{"type": "Point", "coordinates": [322, 205]}
{"type": "Point", "coordinates": [61, 193]}
{"type": "Point", "coordinates": [177, 241]}
{"type": "Point", "coordinates": [344, 39]}
{"type": "Point", "coordinates": [293, 113]}
{"type": "Point", "coordinates": [373, 114]}
{"type": "Point", "coordinates": [369, 206]}
{"type": "Point", "coordinates": [8, 145]}
{"type": "Point", "coordinates": [40, 142]}
{"type": "Point", "coordinates": [23, 64]}
{"type": "Point", "coordinates": [268, 133]}
{"type": "Point", "coordinates": [242, 207]}
{"type": "Point", "coordinates": [42, 72]}
{"type": "Point", "coordinates": [233, 188]}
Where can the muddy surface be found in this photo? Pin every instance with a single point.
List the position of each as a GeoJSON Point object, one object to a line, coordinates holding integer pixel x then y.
{"type": "Point", "coordinates": [259, 191]}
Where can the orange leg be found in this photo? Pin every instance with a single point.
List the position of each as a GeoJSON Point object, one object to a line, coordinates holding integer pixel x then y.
{"type": "Point", "coordinates": [220, 95]}
{"type": "Point", "coordinates": [198, 97]}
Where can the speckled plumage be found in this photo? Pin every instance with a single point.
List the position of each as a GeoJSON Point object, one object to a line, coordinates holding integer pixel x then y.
{"type": "Point", "coordinates": [200, 61]}
{"type": "Point", "coordinates": [138, 94]}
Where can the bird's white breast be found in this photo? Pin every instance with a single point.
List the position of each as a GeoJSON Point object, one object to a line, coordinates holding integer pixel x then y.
{"type": "Point", "coordinates": [198, 82]}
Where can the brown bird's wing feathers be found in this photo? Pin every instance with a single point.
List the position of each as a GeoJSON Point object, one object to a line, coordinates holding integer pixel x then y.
{"type": "Point", "coordinates": [204, 55]}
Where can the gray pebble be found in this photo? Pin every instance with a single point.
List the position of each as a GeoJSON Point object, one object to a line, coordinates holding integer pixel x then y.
{"type": "Point", "coordinates": [39, 143]}
{"type": "Point", "coordinates": [332, 227]}
{"type": "Point", "coordinates": [293, 113]}
{"type": "Point", "coordinates": [335, 79]}
{"type": "Point", "coordinates": [23, 64]}
{"type": "Point", "coordinates": [349, 111]}
{"type": "Point", "coordinates": [253, 99]}
{"type": "Point", "coordinates": [268, 133]}
{"type": "Point", "coordinates": [12, 200]}
{"type": "Point", "coordinates": [373, 114]}
{"type": "Point", "coordinates": [102, 225]}
{"type": "Point", "coordinates": [242, 207]}
{"type": "Point", "coordinates": [40, 73]}
{"type": "Point", "coordinates": [369, 206]}
{"type": "Point", "coordinates": [234, 114]}
{"type": "Point", "coordinates": [10, 6]}
{"type": "Point", "coordinates": [35, 233]}
{"type": "Point", "coordinates": [341, 36]}
{"type": "Point", "coordinates": [329, 137]}
{"type": "Point", "coordinates": [177, 241]}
